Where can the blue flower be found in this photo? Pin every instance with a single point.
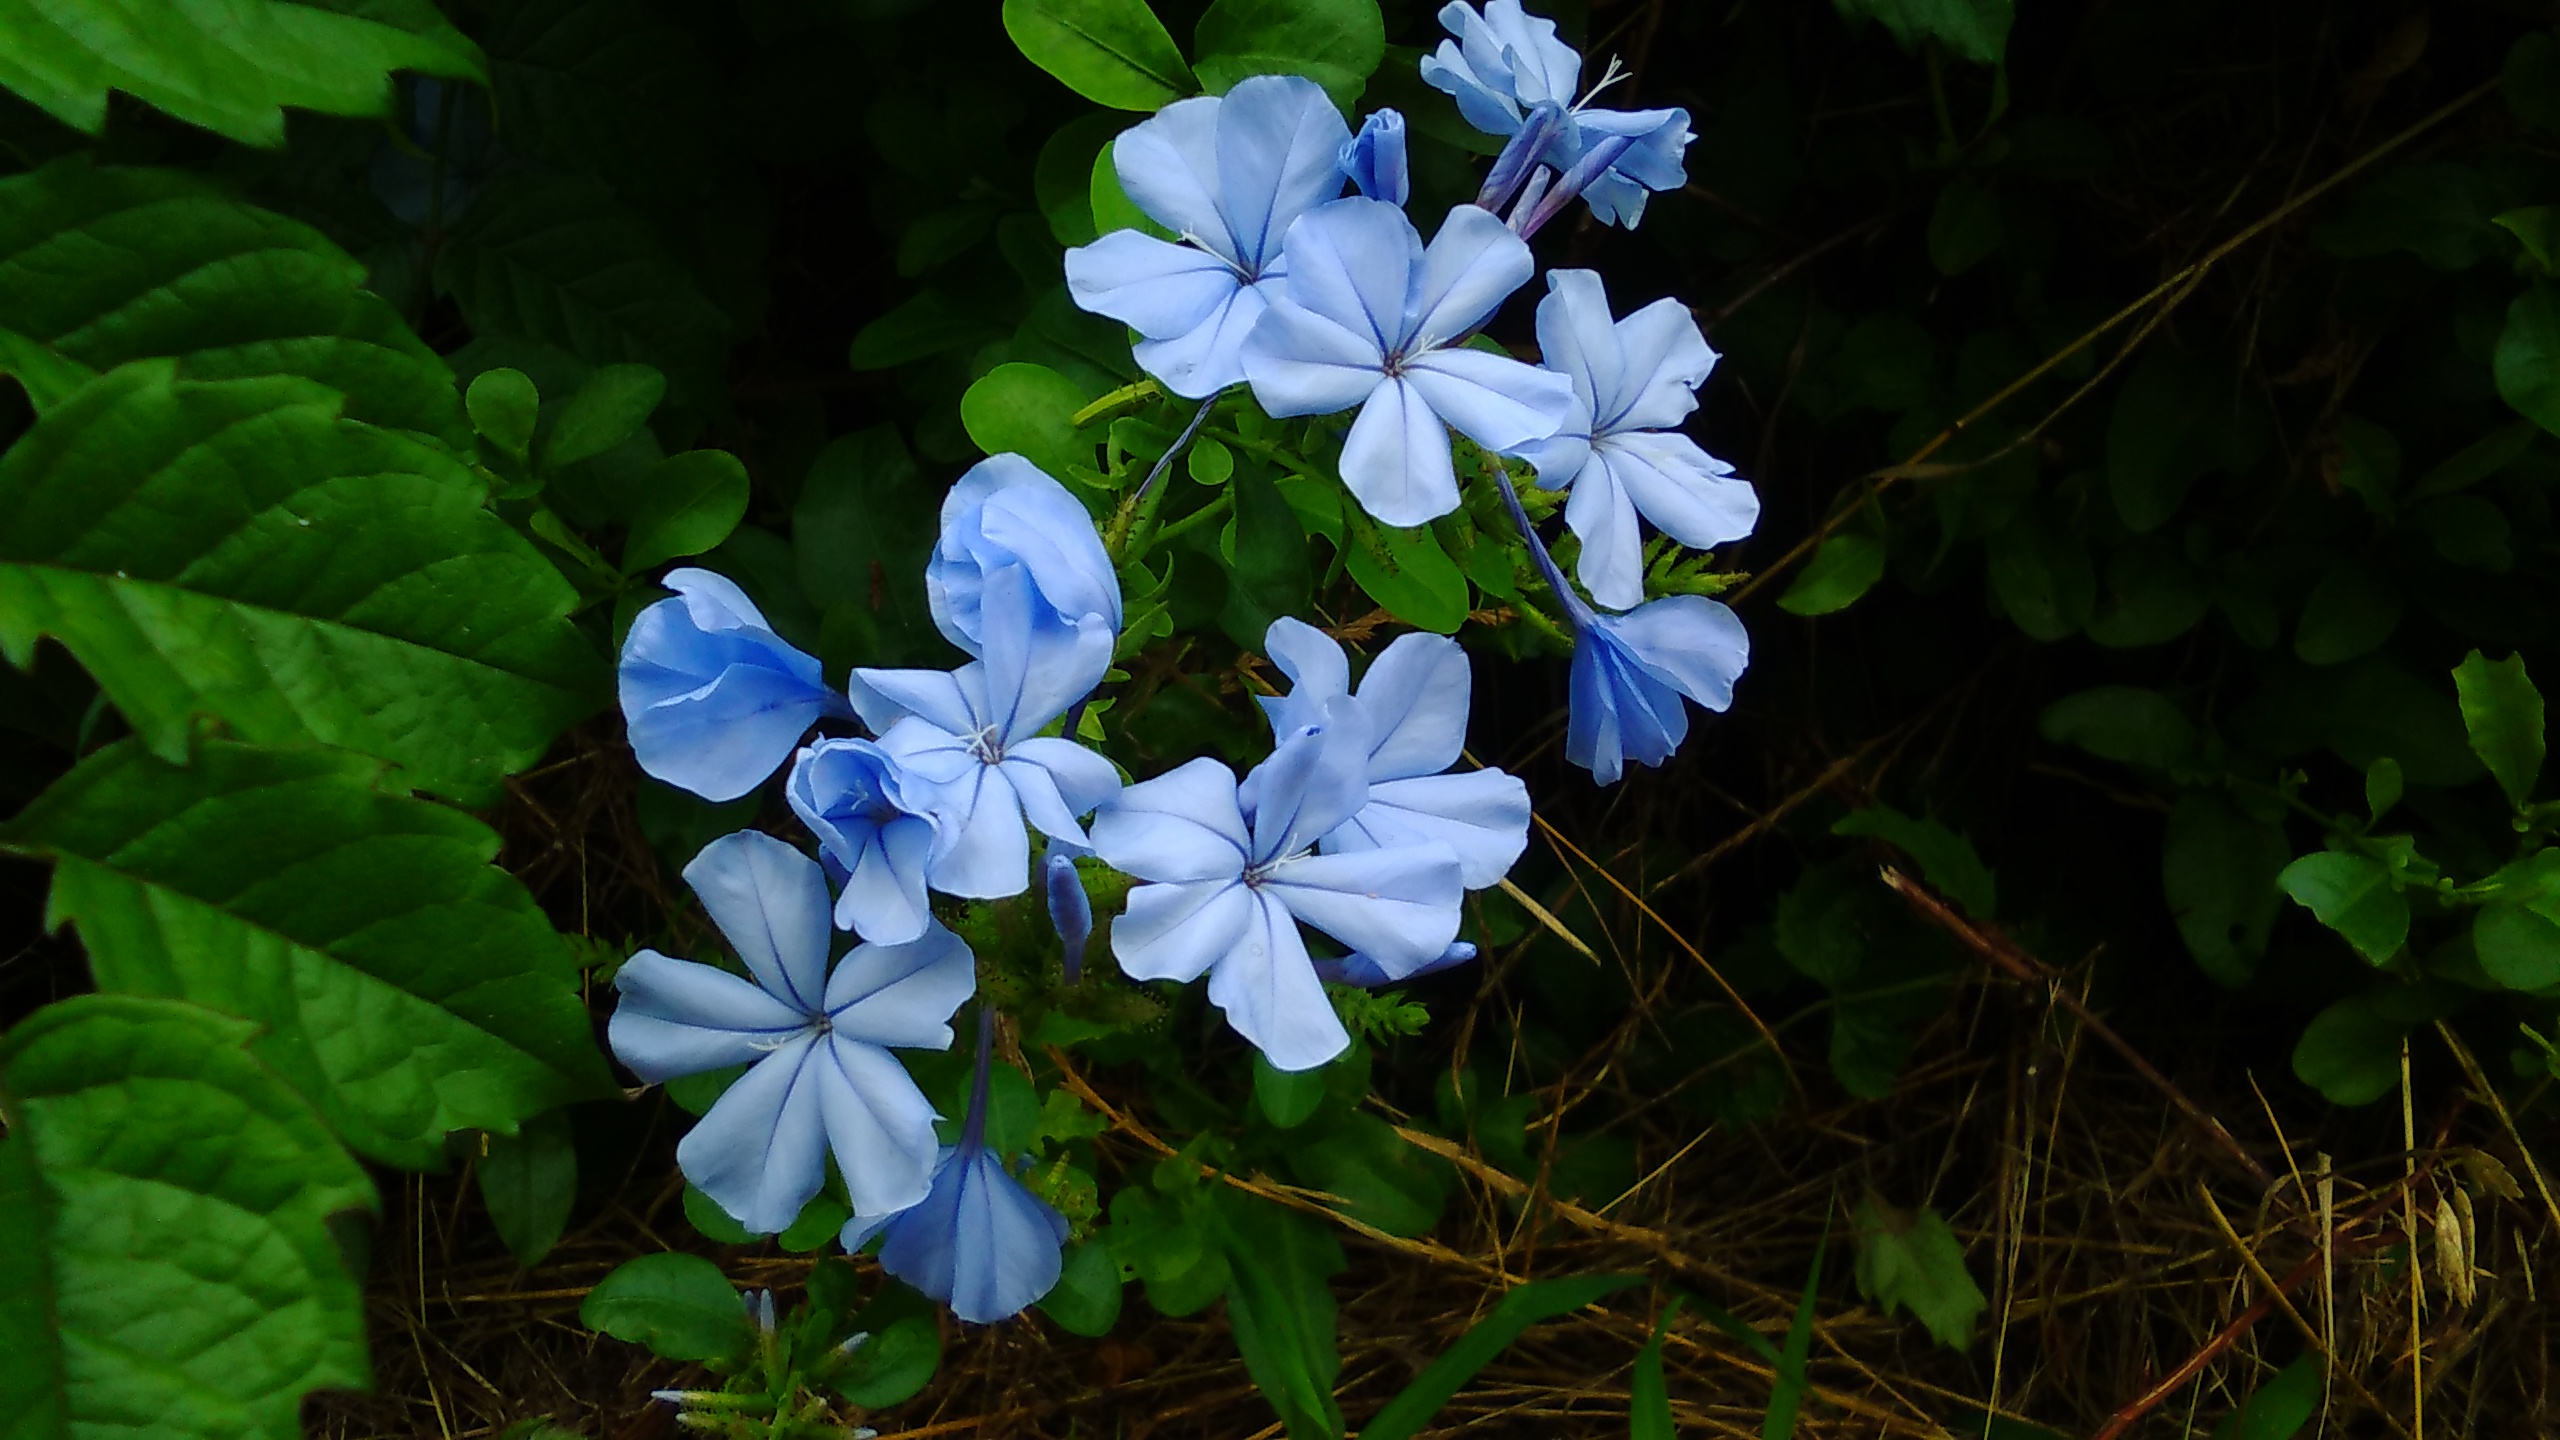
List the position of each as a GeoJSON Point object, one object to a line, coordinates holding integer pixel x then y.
{"type": "Point", "coordinates": [968, 744]}
{"type": "Point", "coordinates": [979, 1242]}
{"type": "Point", "coordinates": [852, 796]}
{"type": "Point", "coordinates": [1505, 64]}
{"type": "Point", "coordinates": [1415, 695]}
{"type": "Point", "coordinates": [1634, 380]}
{"type": "Point", "coordinates": [1231, 884]}
{"type": "Point", "coordinates": [1358, 969]}
{"type": "Point", "coordinates": [820, 1074]}
{"type": "Point", "coordinates": [1375, 159]}
{"type": "Point", "coordinates": [715, 701]}
{"type": "Point", "coordinates": [1630, 672]}
{"type": "Point", "coordinates": [1228, 174]}
{"type": "Point", "coordinates": [1370, 318]}
{"type": "Point", "coordinates": [1008, 511]}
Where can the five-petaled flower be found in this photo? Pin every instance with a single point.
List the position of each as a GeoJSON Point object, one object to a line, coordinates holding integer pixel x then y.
{"type": "Point", "coordinates": [852, 796]}
{"type": "Point", "coordinates": [1371, 318]}
{"type": "Point", "coordinates": [1634, 380]}
{"type": "Point", "coordinates": [713, 699]}
{"type": "Point", "coordinates": [1415, 695]}
{"type": "Point", "coordinates": [1231, 884]}
{"type": "Point", "coordinates": [1229, 175]}
{"type": "Point", "coordinates": [820, 1076]}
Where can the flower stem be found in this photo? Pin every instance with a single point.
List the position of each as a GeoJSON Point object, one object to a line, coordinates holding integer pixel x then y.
{"type": "Point", "coordinates": [973, 1129]}
{"type": "Point", "coordinates": [1181, 443]}
{"type": "Point", "coordinates": [1574, 609]}
{"type": "Point", "coordinates": [1595, 162]}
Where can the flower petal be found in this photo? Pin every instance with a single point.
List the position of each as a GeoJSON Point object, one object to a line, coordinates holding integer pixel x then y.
{"type": "Point", "coordinates": [1207, 358]}
{"type": "Point", "coordinates": [1692, 643]}
{"type": "Point", "coordinates": [1169, 167]}
{"type": "Point", "coordinates": [1399, 907]}
{"type": "Point", "coordinates": [1603, 518]}
{"type": "Point", "coordinates": [1301, 363]}
{"type": "Point", "coordinates": [902, 995]}
{"type": "Point", "coordinates": [1688, 494]}
{"type": "Point", "coordinates": [1358, 969]}
{"type": "Point", "coordinates": [1496, 401]}
{"type": "Point", "coordinates": [985, 853]}
{"type": "Point", "coordinates": [761, 1151]}
{"type": "Point", "coordinates": [1280, 143]}
{"type": "Point", "coordinates": [979, 1242]}
{"type": "Point", "coordinates": [676, 1017]}
{"type": "Point", "coordinates": [728, 736]}
{"type": "Point", "coordinates": [1473, 265]}
{"type": "Point", "coordinates": [943, 698]}
{"type": "Point", "coordinates": [1666, 359]}
{"type": "Point", "coordinates": [1155, 287]}
{"type": "Point", "coordinates": [1316, 778]}
{"type": "Point", "coordinates": [1317, 671]}
{"type": "Point", "coordinates": [1173, 932]}
{"type": "Point", "coordinates": [878, 1123]}
{"type": "Point", "coordinates": [1269, 991]}
{"type": "Point", "coordinates": [1037, 663]}
{"type": "Point", "coordinates": [1183, 825]}
{"type": "Point", "coordinates": [1417, 693]}
{"type": "Point", "coordinates": [1396, 458]}
{"type": "Point", "coordinates": [1577, 338]}
{"type": "Point", "coordinates": [1481, 815]}
{"type": "Point", "coordinates": [771, 902]}
{"type": "Point", "coordinates": [1354, 262]}
{"type": "Point", "coordinates": [1008, 511]}
{"type": "Point", "coordinates": [1059, 780]}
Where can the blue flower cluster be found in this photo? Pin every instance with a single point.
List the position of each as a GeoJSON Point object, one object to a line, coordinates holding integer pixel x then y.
{"type": "Point", "coordinates": [1324, 303]}
{"type": "Point", "coordinates": [1364, 825]}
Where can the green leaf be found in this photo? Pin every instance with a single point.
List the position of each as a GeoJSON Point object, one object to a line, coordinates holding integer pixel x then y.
{"type": "Point", "coordinates": [1030, 410]}
{"type": "Point", "coordinates": [817, 1224]}
{"type": "Point", "coordinates": [712, 1222]}
{"type": "Point", "coordinates": [1786, 1394]}
{"type": "Point", "coordinates": [106, 265]}
{"type": "Point", "coordinates": [2476, 461]}
{"type": "Point", "coordinates": [1532, 1304]}
{"type": "Point", "coordinates": [558, 259]}
{"type": "Point", "coordinates": [529, 1180]}
{"type": "Point", "coordinates": [607, 408]}
{"type": "Point", "coordinates": [899, 1359]}
{"type": "Point", "coordinates": [1287, 1097]}
{"type": "Point", "coordinates": [2123, 723]}
{"type": "Point", "coordinates": [1975, 30]}
{"type": "Point", "coordinates": [2502, 713]}
{"type": "Point", "coordinates": [930, 323]}
{"type": "Point", "coordinates": [1382, 1179]}
{"type": "Point", "coordinates": [2517, 934]}
{"type": "Point", "coordinates": [861, 533]}
{"type": "Point", "coordinates": [1910, 1260]}
{"type": "Point", "coordinates": [1086, 1299]}
{"type": "Point", "coordinates": [235, 549]}
{"type": "Point", "coordinates": [404, 984]}
{"type": "Point", "coordinates": [2041, 572]}
{"type": "Point", "coordinates": [1847, 566]}
{"type": "Point", "coordinates": [2530, 79]}
{"type": "Point", "coordinates": [2350, 1052]}
{"type": "Point", "coordinates": [684, 505]}
{"type": "Point", "coordinates": [2527, 360]}
{"type": "Point", "coordinates": [2437, 212]}
{"type": "Point", "coordinates": [1947, 860]}
{"type": "Point", "coordinates": [2351, 612]}
{"type": "Point", "coordinates": [1336, 43]}
{"type": "Point", "coordinates": [1648, 1394]}
{"type": "Point", "coordinates": [1266, 554]}
{"type": "Point", "coordinates": [1112, 207]}
{"type": "Point", "coordinates": [2368, 462]}
{"type": "Point", "coordinates": [230, 66]}
{"type": "Point", "coordinates": [678, 1305]}
{"type": "Point", "coordinates": [2280, 1408]}
{"type": "Point", "coordinates": [170, 1266]}
{"type": "Point", "coordinates": [1112, 52]}
{"type": "Point", "coordinates": [504, 408]}
{"type": "Point", "coordinates": [1062, 176]}
{"type": "Point", "coordinates": [2354, 896]}
{"type": "Point", "coordinates": [2151, 595]}
{"type": "Point", "coordinates": [1282, 1310]}
{"type": "Point", "coordinates": [2218, 868]}
{"type": "Point", "coordinates": [1408, 574]}
{"type": "Point", "coordinates": [1964, 226]}
{"type": "Point", "coordinates": [48, 376]}
{"type": "Point", "coordinates": [2177, 418]}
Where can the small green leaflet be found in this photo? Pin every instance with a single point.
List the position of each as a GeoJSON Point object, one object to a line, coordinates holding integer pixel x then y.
{"type": "Point", "coordinates": [400, 981]}
{"type": "Point", "coordinates": [2527, 360]}
{"type": "Point", "coordinates": [2354, 896]}
{"type": "Point", "coordinates": [677, 1305]}
{"type": "Point", "coordinates": [1847, 566]}
{"type": "Point", "coordinates": [528, 1181]}
{"type": "Point", "coordinates": [2502, 713]}
{"type": "Point", "coordinates": [1975, 30]}
{"type": "Point", "coordinates": [167, 1202]}
{"type": "Point", "coordinates": [1947, 860]}
{"type": "Point", "coordinates": [1112, 52]}
{"type": "Point", "coordinates": [238, 549]}
{"type": "Point", "coordinates": [243, 60]}
{"type": "Point", "coordinates": [1911, 1260]}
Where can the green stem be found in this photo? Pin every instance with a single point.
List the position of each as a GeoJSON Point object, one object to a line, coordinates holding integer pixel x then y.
{"type": "Point", "coordinates": [1215, 510]}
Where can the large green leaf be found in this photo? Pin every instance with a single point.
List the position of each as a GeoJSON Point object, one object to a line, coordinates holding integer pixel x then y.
{"type": "Point", "coordinates": [1282, 1310]}
{"type": "Point", "coordinates": [678, 1305]}
{"type": "Point", "coordinates": [2527, 361]}
{"type": "Point", "coordinates": [169, 1269]}
{"type": "Point", "coordinates": [1975, 30]}
{"type": "Point", "coordinates": [116, 264]}
{"type": "Point", "coordinates": [401, 981]}
{"type": "Point", "coordinates": [1112, 52]}
{"type": "Point", "coordinates": [237, 549]}
{"type": "Point", "coordinates": [557, 259]}
{"type": "Point", "coordinates": [228, 65]}
{"type": "Point", "coordinates": [2502, 713]}
{"type": "Point", "coordinates": [2218, 868]}
{"type": "Point", "coordinates": [1336, 43]}
{"type": "Point", "coordinates": [2354, 896]}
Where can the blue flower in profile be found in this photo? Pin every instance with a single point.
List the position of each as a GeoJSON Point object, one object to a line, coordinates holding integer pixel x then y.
{"type": "Point", "coordinates": [968, 746]}
{"type": "Point", "coordinates": [1375, 159]}
{"type": "Point", "coordinates": [1415, 695]}
{"type": "Point", "coordinates": [1631, 671]}
{"type": "Point", "coordinates": [715, 701]}
{"type": "Point", "coordinates": [1634, 381]}
{"type": "Point", "coordinates": [1371, 318]}
{"type": "Point", "coordinates": [852, 796]}
{"type": "Point", "coordinates": [820, 1075]}
{"type": "Point", "coordinates": [1009, 512]}
{"type": "Point", "coordinates": [1228, 174]}
{"type": "Point", "coordinates": [1505, 65]}
{"type": "Point", "coordinates": [979, 1242]}
{"type": "Point", "coordinates": [1358, 969]}
{"type": "Point", "coordinates": [1230, 883]}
